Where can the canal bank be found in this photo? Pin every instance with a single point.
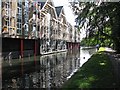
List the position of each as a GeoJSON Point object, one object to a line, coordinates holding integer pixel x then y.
{"type": "Point", "coordinates": [97, 72]}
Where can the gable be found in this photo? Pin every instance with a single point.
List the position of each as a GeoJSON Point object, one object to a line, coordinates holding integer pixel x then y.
{"type": "Point", "coordinates": [63, 16]}
{"type": "Point", "coordinates": [49, 8]}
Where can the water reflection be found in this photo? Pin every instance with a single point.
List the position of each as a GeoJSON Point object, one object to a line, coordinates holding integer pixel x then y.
{"type": "Point", "coordinates": [47, 71]}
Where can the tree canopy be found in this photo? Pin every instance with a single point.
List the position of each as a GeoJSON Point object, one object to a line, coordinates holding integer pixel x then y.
{"type": "Point", "coordinates": [102, 19]}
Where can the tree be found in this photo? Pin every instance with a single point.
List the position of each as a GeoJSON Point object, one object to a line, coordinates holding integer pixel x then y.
{"type": "Point", "coordinates": [101, 16]}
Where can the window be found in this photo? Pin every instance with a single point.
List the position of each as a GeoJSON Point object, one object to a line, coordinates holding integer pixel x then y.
{"type": "Point", "coordinates": [19, 25]}
{"type": "Point", "coordinates": [19, 10]}
{"type": "Point", "coordinates": [64, 34]}
{"type": "Point", "coordinates": [33, 16]}
{"type": "Point", "coordinates": [18, 20]}
{"type": "Point", "coordinates": [25, 26]}
{"type": "Point", "coordinates": [19, 5]}
{"type": "Point", "coordinates": [18, 31]}
{"type": "Point", "coordinates": [38, 28]}
{"type": "Point", "coordinates": [6, 22]}
{"type": "Point", "coordinates": [7, 5]}
{"type": "Point", "coordinates": [61, 19]}
{"type": "Point", "coordinates": [26, 29]}
{"type": "Point", "coordinates": [19, 16]}
{"type": "Point", "coordinates": [38, 15]}
{"type": "Point", "coordinates": [7, 12]}
{"type": "Point", "coordinates": [34, 28]}
{"type": "Point", "coordinates": [34, 25]}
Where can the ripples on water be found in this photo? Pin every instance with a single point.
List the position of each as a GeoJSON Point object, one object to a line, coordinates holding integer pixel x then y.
{"type": "Point", "coordinates": [49, 71]}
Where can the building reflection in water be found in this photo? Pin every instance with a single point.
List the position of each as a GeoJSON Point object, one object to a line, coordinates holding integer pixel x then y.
{"type": "Point", "coordinates": [49, 71]}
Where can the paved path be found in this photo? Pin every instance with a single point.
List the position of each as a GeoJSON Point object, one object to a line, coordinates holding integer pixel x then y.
{"type": "Point", "coordinates": [109, 49]}
{"type": "Point", "coordinates": [115, 59]}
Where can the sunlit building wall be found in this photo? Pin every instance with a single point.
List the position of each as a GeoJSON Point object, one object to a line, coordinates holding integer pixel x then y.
{"type": "Point", "coordinates": [9, 10]}
{"type": "Point", "coordinates": [25, 17]}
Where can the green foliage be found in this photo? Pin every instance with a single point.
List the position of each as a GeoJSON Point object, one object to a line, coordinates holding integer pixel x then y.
{"type": "Point", "coordinates": [92, 41]}
{"type": "Point", "coordinates": [95, 73]}
{"type": "Point", "coordinates": [104, 22]}
{"type": "Point", "coordinates": [88, 42]}
{"type": "Point", "coordinates": [98, 38]}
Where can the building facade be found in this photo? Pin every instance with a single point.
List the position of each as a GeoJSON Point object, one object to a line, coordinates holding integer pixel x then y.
{"type": "Point", "coordinates": [41, 25]}
{"type": "Point", "coordinates": [8, 18]}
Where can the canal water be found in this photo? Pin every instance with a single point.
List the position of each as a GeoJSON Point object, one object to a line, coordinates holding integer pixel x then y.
{"type": "Point", "coordinates": [48, 71]}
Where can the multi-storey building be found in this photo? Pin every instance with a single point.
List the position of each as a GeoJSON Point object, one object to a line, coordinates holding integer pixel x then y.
{"type": "Point", "coordinates": [8, 18]}
{"type": "Point", "coordinates": [48, 27]}
{"type": "Point", "coordinates": [25, 18]}
{"type": "Point", "coordinates": [19, 30]}
{"type": "Point", "coordinates": [34, 27]}
{"type": "Point", "coordinates": [15, 17]}
{"type": "Point", "coordinates": [15, 27]}
{"type": "Point", "coordinates": [62, 27]}
{"type": "Point", "coordinates": [73, 37]}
